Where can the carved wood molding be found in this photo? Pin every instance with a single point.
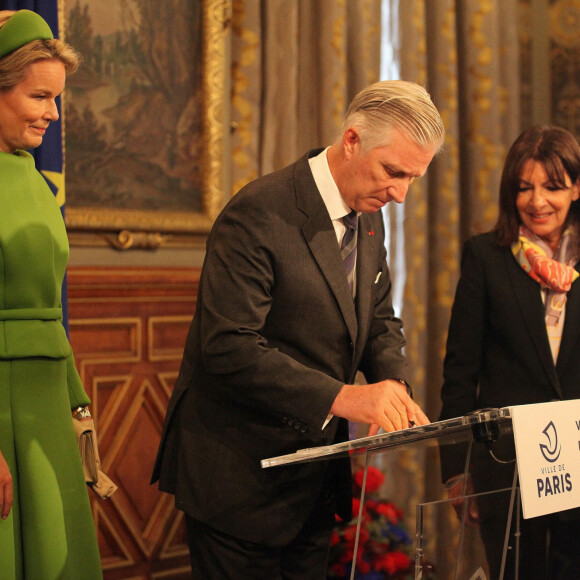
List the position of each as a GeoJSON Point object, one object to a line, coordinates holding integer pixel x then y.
{"type": "Point", "coordinates": [127, 329]}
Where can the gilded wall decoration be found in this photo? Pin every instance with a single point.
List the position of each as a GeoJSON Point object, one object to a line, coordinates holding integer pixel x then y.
{"type": "Point", "coordinates": [564, 58]}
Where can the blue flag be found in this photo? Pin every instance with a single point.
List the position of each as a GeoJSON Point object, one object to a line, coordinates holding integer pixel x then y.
{"type": "Point", "coordinates": [49, 156]}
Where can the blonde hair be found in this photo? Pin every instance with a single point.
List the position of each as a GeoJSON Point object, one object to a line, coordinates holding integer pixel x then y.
{"type": "Point", "coordinates": [388, 105]}
{"type": "Point", "coordinates": [13, 66]}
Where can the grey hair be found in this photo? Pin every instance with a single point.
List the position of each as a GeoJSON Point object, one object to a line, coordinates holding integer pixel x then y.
{"type": "Point", "coordinates": [388, 105]}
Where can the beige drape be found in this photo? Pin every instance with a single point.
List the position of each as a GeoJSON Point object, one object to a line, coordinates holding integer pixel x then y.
{"type": "Point", "coordinates": [466, 53]}
{"type": "Point", "coordinates": [295, 67]}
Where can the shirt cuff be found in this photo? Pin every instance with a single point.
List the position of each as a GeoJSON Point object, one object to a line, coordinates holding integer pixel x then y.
{"type": "Point", "coordinates": [328, 420]}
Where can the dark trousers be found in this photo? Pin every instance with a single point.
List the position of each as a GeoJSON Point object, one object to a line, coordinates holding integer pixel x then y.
{"type": "Point", "coordinates": [218, 556]}
{"type": "Point", "coordinates": [549, 548]}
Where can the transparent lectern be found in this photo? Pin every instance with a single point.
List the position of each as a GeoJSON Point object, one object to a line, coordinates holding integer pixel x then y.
{"type": "Point", "coordinates": [446, 546]}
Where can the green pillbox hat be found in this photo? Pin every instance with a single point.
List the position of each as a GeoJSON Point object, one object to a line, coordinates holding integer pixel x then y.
{"type": "Point", "coordinates": [20, 29]}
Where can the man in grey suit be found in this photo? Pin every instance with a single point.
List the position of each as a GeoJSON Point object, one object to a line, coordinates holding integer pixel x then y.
{"type": "Point", "coordinates": [283, 322]}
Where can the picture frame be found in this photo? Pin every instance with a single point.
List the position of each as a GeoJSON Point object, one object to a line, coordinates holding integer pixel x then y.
{"type": "Point", "coordinates": [157, 199]}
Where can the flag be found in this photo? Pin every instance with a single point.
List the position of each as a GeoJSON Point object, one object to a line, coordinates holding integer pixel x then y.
{"type": "Point", "coordinates": [49, 156]}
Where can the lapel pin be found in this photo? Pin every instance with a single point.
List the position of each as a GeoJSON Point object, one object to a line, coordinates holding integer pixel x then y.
{"type": "Point", "coordinates": [371, 233]}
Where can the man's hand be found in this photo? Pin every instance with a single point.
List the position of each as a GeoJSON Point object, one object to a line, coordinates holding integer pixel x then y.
{"type": "Point", "coordinates": [383, 405]}
{"type": "Point", "coordinates": [6, 493]}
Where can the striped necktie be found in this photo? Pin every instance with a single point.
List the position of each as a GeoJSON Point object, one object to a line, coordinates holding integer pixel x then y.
{"type": "Point", "coordinates": [348, 248]}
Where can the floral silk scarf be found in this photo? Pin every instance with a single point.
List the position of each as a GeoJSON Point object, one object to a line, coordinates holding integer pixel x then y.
{"type": "Point", "coordinates": [554, 271]}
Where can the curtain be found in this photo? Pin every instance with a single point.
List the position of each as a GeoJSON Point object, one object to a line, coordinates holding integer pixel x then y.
{"type": "Point", "coordinates": [295, 68]}
{"type": "Point", "coordinates": [466, 54]}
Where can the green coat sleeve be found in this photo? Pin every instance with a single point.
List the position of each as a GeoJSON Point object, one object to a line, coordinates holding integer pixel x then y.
{"type": "Point", "coordinates": [77, 395]}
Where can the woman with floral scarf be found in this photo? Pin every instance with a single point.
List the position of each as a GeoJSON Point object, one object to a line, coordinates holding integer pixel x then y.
{"type": "Point", "coordinates": [514, 339]}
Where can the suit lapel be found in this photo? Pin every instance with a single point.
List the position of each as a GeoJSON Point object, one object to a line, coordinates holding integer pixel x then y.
{"type": "Point", "coordinates": [571, 332]}
{"type": "Point", "coordinates": [320, 236]}
{"type": "Point", "coordinates": [529, 300]}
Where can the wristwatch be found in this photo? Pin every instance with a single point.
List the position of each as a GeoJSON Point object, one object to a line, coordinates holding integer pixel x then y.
{"type": "Point", "coordinates": [407, 385]}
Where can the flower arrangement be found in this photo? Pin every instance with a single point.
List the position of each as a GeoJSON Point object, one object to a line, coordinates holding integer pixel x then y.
{"type": "Point", "coordinates": [384, 546]}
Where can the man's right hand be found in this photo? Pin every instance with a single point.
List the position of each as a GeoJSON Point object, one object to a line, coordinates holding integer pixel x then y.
{"type": "Point", "coordinates": [385, 405]}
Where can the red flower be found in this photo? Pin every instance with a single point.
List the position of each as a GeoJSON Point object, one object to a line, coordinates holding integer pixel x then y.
{"type": "Point", "coordinates": [371, 505]}
{"type": "Point", "coordinates": [363, 566]}
{"type": "Point", "coordinates": [382, 534]}
{"type": "Point", "coordinates": [375, 479]}
{"type": "Point", "coordinates": [390, 511]}
{"type": "Point", "coordinates": [350, 536]}
{"type": "Point", "coordinates": [356, 508]}
{"type": "Point", "coordinates": [393, 562]}
{"type": "Point", "coordinates": [338, 570]}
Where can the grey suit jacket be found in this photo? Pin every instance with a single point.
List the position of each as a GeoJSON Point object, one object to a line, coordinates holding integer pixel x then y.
{"type": "Point", "coordinates": [275, 336]}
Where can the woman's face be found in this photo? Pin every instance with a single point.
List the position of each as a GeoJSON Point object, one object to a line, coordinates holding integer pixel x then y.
{"type": "Point", "coordinates": [27, 109]}
{"type": "Point", "coordinates": [542, 204]}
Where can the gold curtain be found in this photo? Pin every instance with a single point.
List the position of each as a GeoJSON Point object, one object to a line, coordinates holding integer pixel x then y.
{"type": "Point", "coordinates": [466, 53]}
{"type": "Point", "coordinates": [295, 67]}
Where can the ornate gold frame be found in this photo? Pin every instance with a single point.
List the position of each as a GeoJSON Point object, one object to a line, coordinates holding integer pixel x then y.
{"type": "Point", "coordinates": [126, 229]}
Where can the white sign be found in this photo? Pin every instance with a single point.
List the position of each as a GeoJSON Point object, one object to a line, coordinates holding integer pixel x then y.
{"type": "Point", "coordinates": [547, 439]}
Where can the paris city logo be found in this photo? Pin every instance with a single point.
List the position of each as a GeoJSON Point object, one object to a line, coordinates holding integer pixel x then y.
{"type": "Point", "coordinates": [555, 479]}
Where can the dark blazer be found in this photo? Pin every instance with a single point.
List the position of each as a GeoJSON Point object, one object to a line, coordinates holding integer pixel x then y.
{"type": "Point", "coordinates": [275, 336]}
{"type": "Point", "coordinates": [498, 352]}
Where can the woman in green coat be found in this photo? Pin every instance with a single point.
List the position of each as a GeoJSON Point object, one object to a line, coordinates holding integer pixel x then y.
{"type": "Point", "coordinates": [46, 526]}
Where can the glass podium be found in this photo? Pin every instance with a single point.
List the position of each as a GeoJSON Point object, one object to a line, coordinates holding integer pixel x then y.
{"type": "Point", "coordinates": [446, 544]}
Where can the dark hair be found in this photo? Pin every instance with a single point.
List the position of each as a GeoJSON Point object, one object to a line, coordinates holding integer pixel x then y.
{"type": "Point", "coordinates": [557, 150]}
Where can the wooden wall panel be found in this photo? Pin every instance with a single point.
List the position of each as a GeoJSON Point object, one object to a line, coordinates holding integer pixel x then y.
{"type": "Point", "coordinates": [128, 329]}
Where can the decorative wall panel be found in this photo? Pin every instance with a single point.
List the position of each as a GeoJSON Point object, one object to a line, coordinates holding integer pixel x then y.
{"type": "Point", "coordinates": [128, 329]}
